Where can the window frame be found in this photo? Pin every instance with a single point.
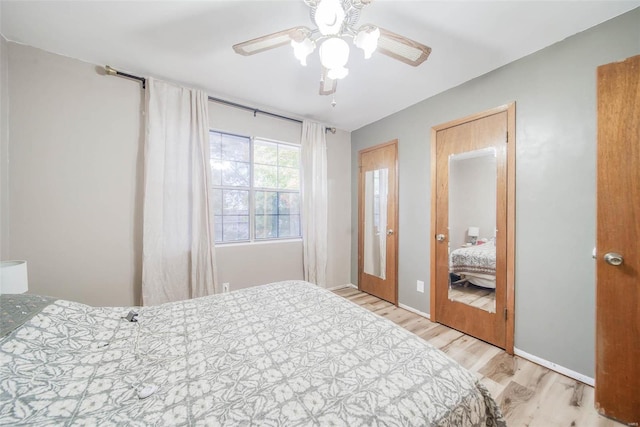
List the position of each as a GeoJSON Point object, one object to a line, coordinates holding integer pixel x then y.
{"type": "Point", "coordinates": [253, 189]}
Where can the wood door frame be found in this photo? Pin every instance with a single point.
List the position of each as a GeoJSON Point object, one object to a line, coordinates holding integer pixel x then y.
{"type": "Point", "coordinates": [511, 213]}
{"type": "Point", "coordinates": [393, 142]}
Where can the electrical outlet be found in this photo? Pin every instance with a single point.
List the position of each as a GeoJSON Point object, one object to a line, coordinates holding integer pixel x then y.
{"type": "Point", "coordinates": [225, 287]}
{"type": "Point", "coordinates": [420, 286]}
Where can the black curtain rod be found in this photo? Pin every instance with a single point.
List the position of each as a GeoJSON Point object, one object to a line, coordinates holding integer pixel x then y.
{"type": "Point", "coordinates": [113, 72]}
{"type": "Point", "coordinates": [110, 71]}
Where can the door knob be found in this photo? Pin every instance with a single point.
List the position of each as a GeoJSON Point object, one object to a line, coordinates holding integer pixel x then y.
{"type": "Point", "coordinates": [613, 258]}
{"type": "Point", "coordinates": [389, 232]}
{"type": "Point", "coordinates": [440, 237]}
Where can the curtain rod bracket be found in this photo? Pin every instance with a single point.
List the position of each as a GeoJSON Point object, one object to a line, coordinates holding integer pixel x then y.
{"type": "Point", "coordinates": [110, 71]}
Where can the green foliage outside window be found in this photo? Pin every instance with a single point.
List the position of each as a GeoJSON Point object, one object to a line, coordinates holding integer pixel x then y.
{"type": "Point", "coordinates": [273, 193]}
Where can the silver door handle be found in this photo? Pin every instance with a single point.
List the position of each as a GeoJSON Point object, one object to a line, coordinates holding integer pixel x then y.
{"type": "Point", "coordinates": [440, 237]}
{"type": "Point", "coordinates": [389, 232]}
{"type": "Point", "coordinates": [613, 258]}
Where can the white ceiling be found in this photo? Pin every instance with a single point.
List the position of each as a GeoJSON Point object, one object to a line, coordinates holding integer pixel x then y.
{"type": "Point", "coordinates": [190, 42]}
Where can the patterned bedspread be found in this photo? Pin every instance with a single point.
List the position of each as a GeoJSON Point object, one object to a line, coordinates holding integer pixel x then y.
{"type": "Point", "coordinates": [474, 259]}
{"type": "Point", "coordinates": [287, 353]}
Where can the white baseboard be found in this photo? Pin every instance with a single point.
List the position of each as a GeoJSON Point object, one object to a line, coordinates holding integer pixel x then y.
{"type": "Point", "coordinates": [555, 367]}
{"type": "Point", "coordinates": [413, 310]}
{"type": "Point", "coordinates": [347, 285]}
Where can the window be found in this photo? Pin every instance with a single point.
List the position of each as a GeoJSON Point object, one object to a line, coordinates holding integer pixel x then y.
{"type": "Point", "coordinates": [256, 188]}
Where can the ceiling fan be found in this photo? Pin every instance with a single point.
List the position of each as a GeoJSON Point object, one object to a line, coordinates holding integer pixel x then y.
{"type": "Point", "coordinates": [336, 21]}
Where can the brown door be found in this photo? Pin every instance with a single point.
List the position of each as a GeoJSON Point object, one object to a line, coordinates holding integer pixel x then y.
{"type": "Point", "coordinates": [378, 221]}
{"type": "Point", "coordinates": [472, 249]}
{"type": "Point", "coordinates": [617, 393]}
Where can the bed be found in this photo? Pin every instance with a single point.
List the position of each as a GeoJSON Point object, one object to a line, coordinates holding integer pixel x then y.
{"type": "Point", "coordinates": [475, 264]}
{"type": "Point", "coordinates": [286, 353]}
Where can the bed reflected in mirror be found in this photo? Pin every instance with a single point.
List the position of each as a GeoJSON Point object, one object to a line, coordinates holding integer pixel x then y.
{"type": "Point", "coordinates": [472, 228]}
{"type": "Point", "coordinates": [375, 222]}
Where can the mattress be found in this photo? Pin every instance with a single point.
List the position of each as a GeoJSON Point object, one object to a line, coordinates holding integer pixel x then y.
{"type": "Point", "coordinates": [476, 263]}
{"type": "Point", "coordinates": [287, 353]}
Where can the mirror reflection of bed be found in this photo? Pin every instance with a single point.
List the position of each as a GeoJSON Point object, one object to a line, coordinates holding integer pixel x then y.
{"type": "Point", "coordinates": [472, 228]}
{"type": "Point", "coordinates": [472, 275]}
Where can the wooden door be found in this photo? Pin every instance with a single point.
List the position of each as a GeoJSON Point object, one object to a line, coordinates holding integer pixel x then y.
{"type": "Point", "coordinates": [378, 221]}
{"type": "Point", "coordinates": [472, 162]}
{"type": "Point", "coordinates": [617, 391]}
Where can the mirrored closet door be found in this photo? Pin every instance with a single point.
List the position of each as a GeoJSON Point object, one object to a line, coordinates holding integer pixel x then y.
{"type": "Point", "coordinates": [471, 281]}
{"type": "Point", "coordinates": [378, 221]}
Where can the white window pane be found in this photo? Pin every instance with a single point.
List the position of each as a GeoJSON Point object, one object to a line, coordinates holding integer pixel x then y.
{"type": "Point", "coordinates": [265, 153]}
{"type": "Point", "coordinates": [289, 178]}
{"type": "Point", "coordinates": [275, 167]}
{"type": "Point", "coordinates": [235, 202]}
{"type": "Point", "coordinates": [265, 176]}
{"type": "Point", "coordinates": [217, 201]}
{"type": "Point", "coordinates": [288, 225]}
{"type": "Point", "coordinates": [235, 148]}
{"type": "Point", "coordinates": [266, 226]}
{"type": "Point", "coordinates": [235, 219]}
{"type": "Point", "coordinates": [215, 145]}
{"type": "Point", "coordinates": [288, 203]}
{"type": "Point", "coordinates": [266, 202]}
{"type": "Point", "coordinates": [217, 228]}
{"type": "Point", "coordinates": [235, 227]}
{"type": "Point", "coordinates": [288, 156]}
{"type": "Point", "coordinates": [236, 174]}
{"type": "Point", "coordinates": [216, 171]}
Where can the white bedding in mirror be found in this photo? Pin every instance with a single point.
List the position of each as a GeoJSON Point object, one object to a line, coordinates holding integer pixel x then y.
{"type": "Point", "coordinates": [476, 263]}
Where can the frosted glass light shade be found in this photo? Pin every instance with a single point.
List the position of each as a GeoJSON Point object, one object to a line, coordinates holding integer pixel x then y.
{"type": "Point", "coordinates": [13, 277]}
{"type": "Point", "coordinates": [334, 53]}
{"type": "Point", "coordinates": [329, 16]}
{"type": "Point", "coordinates": [303, 49]}
{"type": "Point", "coordinates": [367, 40]}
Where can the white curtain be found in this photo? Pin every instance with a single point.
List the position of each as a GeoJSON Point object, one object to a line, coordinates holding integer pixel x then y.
{"type": "Point", "coordinates": [314, 202]}
{"type": "Point", "coordinates": [178, 259]}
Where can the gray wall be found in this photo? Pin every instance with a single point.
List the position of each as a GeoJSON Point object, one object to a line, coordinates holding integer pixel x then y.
{"type": "Point", "coordinates": [74, 194]}
{"type": "Point", "coordinates": [555, 94]}
{"type": "Point", "coordinates": [472, 198]}
{"type": "Point", "coordinates": [75, 178]}
{"type": "Point", "coordinates": [4, 144]}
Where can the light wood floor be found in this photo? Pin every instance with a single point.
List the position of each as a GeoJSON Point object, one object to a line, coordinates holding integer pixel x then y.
{"type": "Point", "coordinates": [475, 296]}
{"type": "Point", "coordinates": [528, 394]}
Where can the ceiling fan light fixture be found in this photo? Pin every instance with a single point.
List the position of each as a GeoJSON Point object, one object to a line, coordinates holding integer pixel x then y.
{"type": "Point", "coordinates": [329, 16]}
{"type": "Point", "coordinates": [337, 20]}
{"type": "Point", "coordinates": [303, 49]}
{"type": "Point", "coordinates": [367, 40]}
{"type": "Point", "coordinates": [334, 53]}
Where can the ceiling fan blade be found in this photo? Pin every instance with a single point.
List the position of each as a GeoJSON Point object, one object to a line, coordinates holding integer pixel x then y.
{"type": "Point", "coordinates": [327, 85]}
{"type": "Point", "coordinates": [271, 41]}
{"type": "Point", "coordinates": [401, 48]}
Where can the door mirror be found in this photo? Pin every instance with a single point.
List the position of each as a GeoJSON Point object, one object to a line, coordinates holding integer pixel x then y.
{"type": "Point", "coordinates": [375, 222]}
{"type": "Point", "coordinates": [472, 226]}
